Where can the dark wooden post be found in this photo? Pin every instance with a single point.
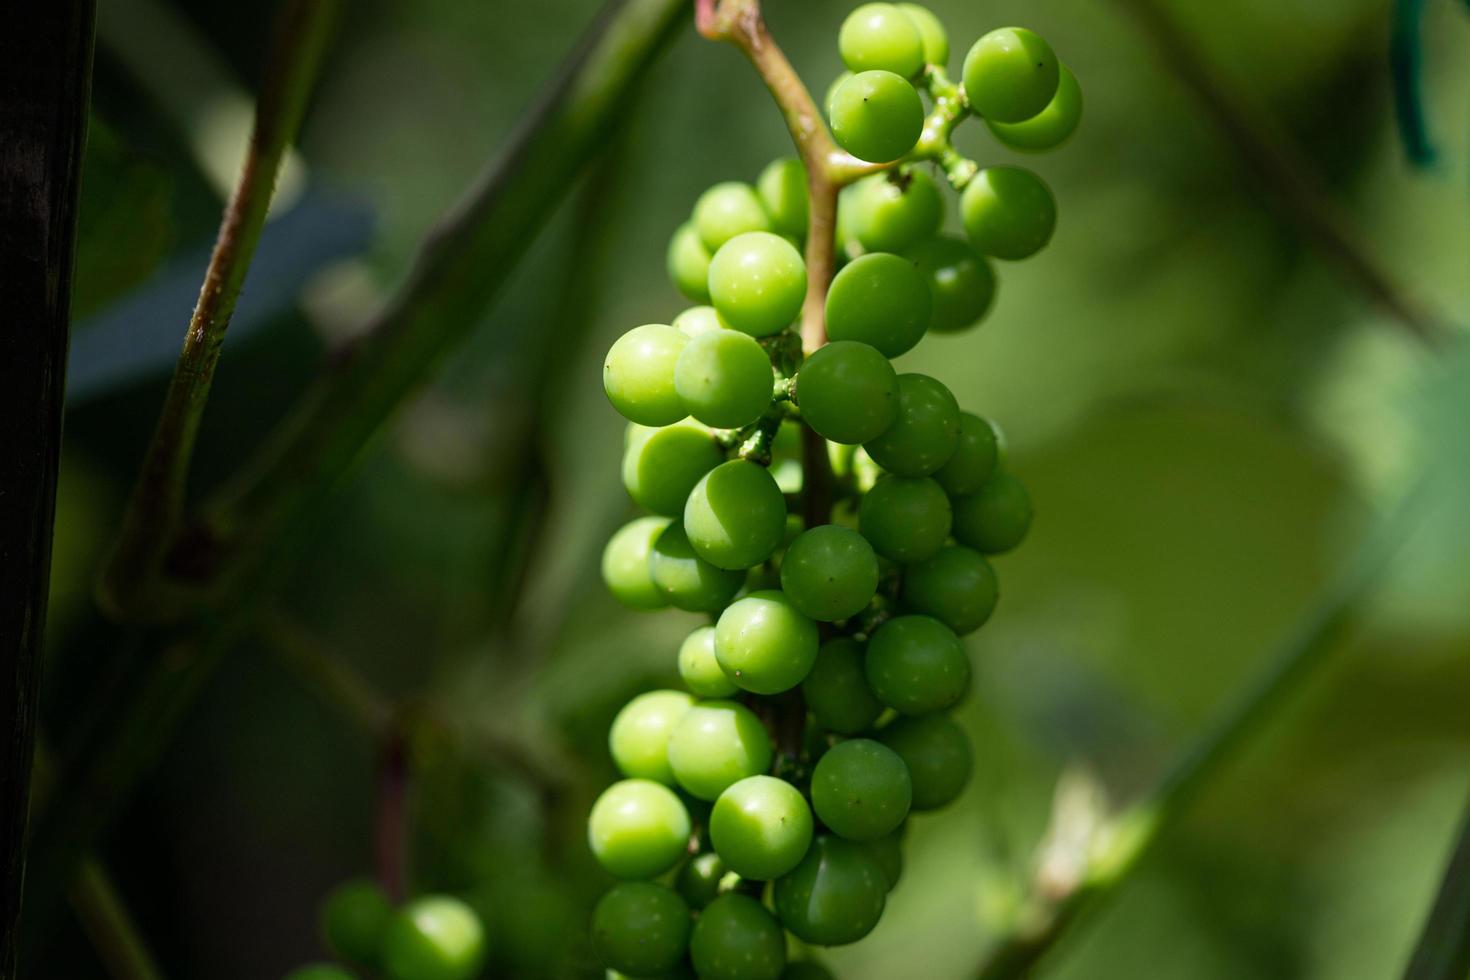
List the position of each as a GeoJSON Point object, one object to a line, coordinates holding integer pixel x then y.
{"type": "Point", "coordinates": [45, 79]}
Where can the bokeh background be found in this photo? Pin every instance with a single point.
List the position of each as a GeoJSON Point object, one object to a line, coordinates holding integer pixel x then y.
{"type": "Point", "coordinates": [1208, 413]}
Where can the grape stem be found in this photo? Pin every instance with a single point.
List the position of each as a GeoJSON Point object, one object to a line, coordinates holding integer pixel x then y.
{"type": "Point", "coordinates": [935, 143]}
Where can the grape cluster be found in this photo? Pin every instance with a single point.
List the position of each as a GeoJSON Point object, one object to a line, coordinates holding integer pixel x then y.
{"type": "Point", "coordinates": [771, 795]}
{"type": "Point", "coordinates": [432, 937]}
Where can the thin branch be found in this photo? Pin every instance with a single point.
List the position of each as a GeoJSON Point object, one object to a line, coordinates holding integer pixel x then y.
{"type": "Point", "coordinates": [1110, 855]}
{"type": "Point", "coordinates": [391, 832]}
{"type": "Point", "coordinates": [1443, 952]}
{"type": "Point", "coordinates": [156, 508]}
{"type": "Point", "coordinates": [110, 927]}
{"type": "Point", "coordinates": [331, 678]}
{"type": "Point", "coordinates": [1295, 187]}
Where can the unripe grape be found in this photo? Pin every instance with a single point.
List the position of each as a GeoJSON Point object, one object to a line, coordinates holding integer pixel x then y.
{"type": "Point", "coordinates": [353, 918]}
{"type": "Point", "coordinates": [726, 210]}
{"type": "Point", "coordinates": [830, 573]}
{"type": "Point", "coordinates": [892, 216]}
{"type": "Point", "coordinates": [638, 828]}
{"type": "Point", "coordinates": [861, 790]}
{"type": "Point", "coordinates": [699, 668]}
{"type": "Point", "coordinates": [995, 518]}
{"type": "Point", "coordinates": [925, 432]}
{"type": "Point", "coordinates": [1010, 74]}
{"type": "Point", "coordinates": [685, 580]}
{"type": "Point", "coordinates": [625, 564]}
{"type": "Point", "coordinates": [782, 190]}
{"type": "Point", "coordinates": [638, 375]}
{"type": "Point", "coordinates": [834, 896]}
{"type": "Point", "coordinates": [905, 520]}
{"type": "Point", "coordinates": [876, 116]}
{"type": "Point", "coordinates": [757, 282]}
{"type": "Point", "coordinates": [937, 754]}
{"type": "Point", "coordinates": [320, 971]}
{"type": "Point", "coordinates": [931, 31]}
{"type": "Point", "coordinates": [764, 644]}
{"type": "Point", "coordinates": [640, 928]}
{"type": "Point", "coordinates": [848, 392]}
{"type": "Point", "coordinates": [888, 852]}
{"type": "Point", "coordinates": [735, 938]}
{"type": "Point", "coordinates": [916, 665]}
{"type": "Point", "coordinates": [639, 737]}
{"type": "Point", "coordinates": [881, 36]}
{"type": "Point", "coordinates": [832, 88]}
{"type": "Point", "coordinates": [960, 279]}
{"type": "Point", "coordinates": [697, 320]}
{"type": "Point", "coordinates": [661, 466]}
{"type": "Point", "coordinates": [724, 378]}
{"type": "Point", "coordinates": [698, 882]}
{"type": "Point", "coordinates": [836, 691]}
{"type": "Point", "coordinates": [434, 937]}
{"type": "Point", "coordinates": [717, 744]}
{"type": "Point", "coordinates": [1049, 129]}
{"type": "Point", "coordinates": [687, 263]}
{"type": "Point", "coordinates": [881, 300]}
{"type": "Point", "coordinates": [957, 587]}
{"type": "Point", "coordinates": [735, 516]}
{"type": "Point", "coordinates": [1008, 212]}
{"type": "Point", "coordinates": [761, 827]}
{"type": "Point", "coordinates": [974, 459]}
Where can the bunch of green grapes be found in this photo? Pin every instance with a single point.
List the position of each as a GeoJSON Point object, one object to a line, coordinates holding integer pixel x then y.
{"type": "Point", "coordinates": [432, 937]}
{"type": "Point", "coordinates": [770, 796]}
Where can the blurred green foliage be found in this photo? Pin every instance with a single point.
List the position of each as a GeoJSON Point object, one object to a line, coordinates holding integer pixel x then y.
{"type": "Point", "coordinates": [1206, 412]}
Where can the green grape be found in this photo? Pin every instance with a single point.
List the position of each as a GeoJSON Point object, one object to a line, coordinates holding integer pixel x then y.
{"type": "Point", "coordinates": [697, 320]}
{"type": "Point", "coordinates": [881, 36]}
{"type": "Point", "coordinates": [834, 896]}
{"type": "Point", "coordinates": [727, 210]}
{"type": "Point", "coordinates": [916, 665]}
{"type": "Point", "coordinates": [876, 116]}
{"type": "Point", "coordinates": [638, 828]}
{"type": "Point", "coordinates": [434, 937]}
{"type": "Point", "coordinates": [724, 378]}
{"type": "Point", "coordinates": [320, 971]}
{"type": "Point", "coordinates": [891, 215]}
{"type": "Point", "coordinates": [937, 754]}
{"type": "Point", "coordinates": [661, 466]}
{"type": "Point", "coordinates": [625, 563]}
{"type": "Point", "coordinates": [717, 744]}
{"type": "Point", "coordinates": [638, 375]}
{"type": "Point", "coordinates": [1051, 127]}
{"type": "Point", "coordinates": [698, 881]}
{"type": "Point", "coordinates": [830, 573]}
{"type": "Point", "coordinates": [761, 827]}
{"type": "Point", "coordinates": [764, 644]}
{"type": "Point", "coordinates": [757, 282]}
{"type": "Point", "coordinates": [1010, 74]}
{"type": "Point", "coordinates": [699, 669]}
{"type": "Point", "coordinates": [888, 852]}
{"type": "Point", "coordinates": [735, 516]}
{"type": "Point", "coordinates": [735, 938]}
{"type": "Point", "coordinates": [806, 970]}
{"type": "Point", "coordinates": [956, 587]}
{"type": "Point", "coordinates": [905, 520]}
{"type": "Point", "coordinates": [995, 518]}
{"type": "Point", "coordinates": [639, 737]}
{"type": "Point", "coordinates": [685, 580]}
{"type": "Point", "coordinates": [960, 279]}
{"type": "Point", "coordinates": [353, 917]}
{"type": "Point", "coordinates": [974, 459]}
{"type": "Point", "coordinates": [782, 190]}
{"type": "Point", "coordinates": [1008, 212]}
{"type": "Point", "coordinates": [860, 789]}
{"type": "Point", "coordinates": [881, 300]}
{"type": "Point", "coordinates": [936, 41]}
{"type": "Point", "coordinates": [925, 433]}
{"type": "Point", "coordinates": [640, 928]}
{"type": "Point", "coordinates": [848, 392]}
{"type": "Point", "coordinates": [836, 691]}
{"type": "Point", "coordinates": [827, 103]}
{"type": "Point", "coordinates": [688, 263]}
